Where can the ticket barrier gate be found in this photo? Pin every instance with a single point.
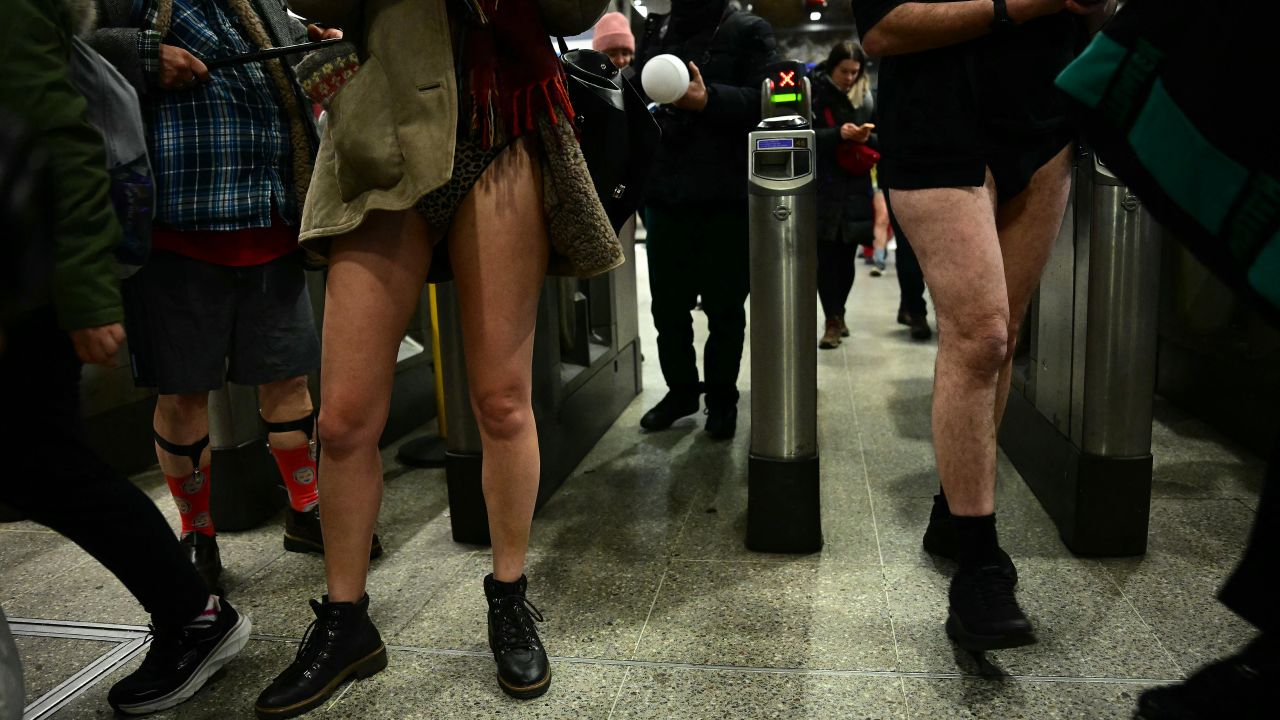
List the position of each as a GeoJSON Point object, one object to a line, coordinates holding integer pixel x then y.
{"type": "Point", "coordinates": [1078, 424]}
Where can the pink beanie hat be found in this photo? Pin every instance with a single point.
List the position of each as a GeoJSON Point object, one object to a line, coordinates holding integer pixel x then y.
{"type": "Point", "coordinates": [613, 31]}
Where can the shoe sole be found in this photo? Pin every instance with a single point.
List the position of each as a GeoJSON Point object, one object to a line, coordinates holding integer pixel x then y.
{"type": "Point", "coordinates": [659, 428]}
{"type": "Point", "coordinates": [828, 346]}
{"type": "Point", "coordinates": [230, 646]}
{"type": "Point", "coordinates": [877, 273]}
{"type": "Point", "coordinates": [292, 543]}
{"type": "Point", "coordinates": [527, 692]}
{"type": "Point", "coordinates": [368, 666]}
{"type": "Point", "coordinates": [974, 642]}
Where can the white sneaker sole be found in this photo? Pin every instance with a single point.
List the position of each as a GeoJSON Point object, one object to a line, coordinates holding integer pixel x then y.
{"type": "Point", "coordinates": [228, 648]}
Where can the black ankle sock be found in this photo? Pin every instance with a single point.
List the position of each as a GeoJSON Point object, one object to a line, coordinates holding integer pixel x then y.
{"type": "Point", "coordinates": [976, 539]}
{"type": "Point", "coordinates": [500, 588]}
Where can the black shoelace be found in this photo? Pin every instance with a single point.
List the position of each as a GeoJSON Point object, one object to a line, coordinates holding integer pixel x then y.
{"type": "Point", "coordinates": [314, 649]}
{"type": "Point", "coordinates": [166, 647]}
{"type": "Point", "coordinates": [516, 616]}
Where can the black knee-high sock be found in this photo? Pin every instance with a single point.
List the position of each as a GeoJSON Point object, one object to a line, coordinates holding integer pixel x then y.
{"type": "Point", "coordinates": [976, 539]}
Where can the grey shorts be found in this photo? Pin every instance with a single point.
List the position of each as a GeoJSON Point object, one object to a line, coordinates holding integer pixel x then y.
{"type": "Point", "coordinates": [193, 324]}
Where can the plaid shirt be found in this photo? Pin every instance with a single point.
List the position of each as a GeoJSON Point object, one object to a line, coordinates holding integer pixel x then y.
{"type": "Point", "coordinates": [220, 151]}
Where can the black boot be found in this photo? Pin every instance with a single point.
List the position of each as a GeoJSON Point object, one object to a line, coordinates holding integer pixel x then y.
{"type": "Point", "coordinates": [302, 533]}
{"type": "Point", "coordinates": [341, 643]}
{"type": "Point", "coordinates": [202, 550]}
{"type": "Point", "coordinates": [919, 324]}
{"type": "Point", "coordinates": [940, 537]}
{"type": "Point", "coordinates": [678, 403]}
{"type": "Point", "coordinates": [1242, 686]}
{"type": "Point", "coordinates": [523, 670]}
{"type": "Point", "coordinates": [722, 414]}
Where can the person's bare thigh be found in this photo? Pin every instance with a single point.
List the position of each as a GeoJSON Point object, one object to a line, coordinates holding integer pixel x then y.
{"type": "Point", "coordinates": [1028, 225]}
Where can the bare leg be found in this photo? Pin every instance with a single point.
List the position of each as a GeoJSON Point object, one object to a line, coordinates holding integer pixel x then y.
{"type": "Point", "coordinates": [499, 252]}
{"type": "Point", "coordinates": [1028, 225]}
{"type": "Point", "coordinates": [282, 402]}
{"type": "Point", "coordinates": [182, 420]}
{"type": "Point", "coordinates": [880, 230]}
{"type": "Point", "coordinates": [376, 272]}
{"type": "Point", "coordinates": [960, 254]}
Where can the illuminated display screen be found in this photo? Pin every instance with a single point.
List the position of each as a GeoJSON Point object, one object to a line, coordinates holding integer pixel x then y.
{"type": "Point", "coordinates": [785, 98]}
{"type": "Point", "coordinates": [776, 144]}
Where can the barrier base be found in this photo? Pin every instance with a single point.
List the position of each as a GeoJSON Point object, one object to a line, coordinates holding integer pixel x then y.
{"type": "Point", "coordinates": [467, 514]}
{"type": "Point", "coordinates": [1101, 505]}
{"type": "Point", "coordinates": [784, 505]}
{"type": "Point", "coordinates": [247, 490]}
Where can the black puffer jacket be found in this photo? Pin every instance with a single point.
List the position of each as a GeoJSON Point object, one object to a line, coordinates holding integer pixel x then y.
{"type": "Point", "coordinates": [844, 200]}
{"type": "Point", "coordinates": [703, 159]}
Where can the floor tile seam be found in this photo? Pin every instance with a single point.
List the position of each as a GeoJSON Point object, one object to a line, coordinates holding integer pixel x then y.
{"type": "Point", "coordinates": [871, 503]}
{"type": "Point", "coordinates": [657, 593]}
{"type": "Point", "coordinates": [617, 697]}
{"type": "Point", "coordinates": [33, 531]}
{"type": "Point", "coordinates": [1106, 571]}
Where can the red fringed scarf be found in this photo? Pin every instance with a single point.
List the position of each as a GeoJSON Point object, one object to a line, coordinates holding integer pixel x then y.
{"type": "Point", "coordinates": [514, 74]}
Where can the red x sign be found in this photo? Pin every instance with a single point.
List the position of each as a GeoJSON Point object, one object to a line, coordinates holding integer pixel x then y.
{"type": "Point", "coordinates": [788, 79]}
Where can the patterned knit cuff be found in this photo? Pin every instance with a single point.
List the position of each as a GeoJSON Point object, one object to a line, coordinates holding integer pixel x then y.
{"type": "Point", "coordinates": [149, 55]}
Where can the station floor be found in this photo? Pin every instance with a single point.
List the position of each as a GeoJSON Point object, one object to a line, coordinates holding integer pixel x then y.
{"type": "Point", "coordinates": [655, 609]}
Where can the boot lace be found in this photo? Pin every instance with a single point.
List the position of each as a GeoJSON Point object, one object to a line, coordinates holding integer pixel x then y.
{"type": "Point", "coordinates": [516, 616]}
{"type": "Point", "coordinates": [315, 647]}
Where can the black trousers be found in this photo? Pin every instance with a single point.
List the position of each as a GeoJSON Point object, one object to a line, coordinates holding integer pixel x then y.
{"type": "Point", "coordinates": [699, 253]}
{"type": "Point", "coordinates": [910, 276]}
{"type": "Point", "coordinates": [1247, 591]}
{"type": "Point", "coordinates": [53, 477]}
{"type": "Point", "coordinates": [836, 272]}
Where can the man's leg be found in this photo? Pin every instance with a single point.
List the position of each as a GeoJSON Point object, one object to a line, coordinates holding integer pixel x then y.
{"type": "Point", "coordinates": [1028, 225]}
{"type": "Point", "coordinates": [674, 292]}
{"type": "Point", "coordinates": [723, 264]}
{"type": "Point", "coordinates": [912, 309]}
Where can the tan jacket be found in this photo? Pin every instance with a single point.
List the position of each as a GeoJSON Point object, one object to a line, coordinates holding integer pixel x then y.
{"type": "Point", "coordinates": [389, 137]}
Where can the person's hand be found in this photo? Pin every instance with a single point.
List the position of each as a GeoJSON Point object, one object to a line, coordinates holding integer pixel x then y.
{"type": "Point", "coordinates": [695, 98]}
{"type": "Point", "coordinates": [98, 345]}
{"type": "Point", "coordinates": [180, 69]}
{"type": "Point", "coordinates": [1023, 10]}
{"type": "Point", "coordinates": [317, 33]}
{"type": "Point", "coordinates": [1088, 7]}
{"type": "Point", "coordinates": [856, 133]}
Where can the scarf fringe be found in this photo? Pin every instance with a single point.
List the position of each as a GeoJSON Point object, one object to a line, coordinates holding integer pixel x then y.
{"type": "Point", "coordinates": [528, 103]}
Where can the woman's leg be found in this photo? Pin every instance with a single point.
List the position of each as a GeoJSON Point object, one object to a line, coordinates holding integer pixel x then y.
{"type": "Point", "coordinates": [376, 273]}
{"type": "Point", "coordinates": [499, 251]}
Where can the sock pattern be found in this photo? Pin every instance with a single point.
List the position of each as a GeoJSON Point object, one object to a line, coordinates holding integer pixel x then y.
{"type": "Point", "coordinates": [191, 494]}
{"type": "Point", "coordinates": [209, 616]}
{"type": "Point", "coordinates": [298, 469]}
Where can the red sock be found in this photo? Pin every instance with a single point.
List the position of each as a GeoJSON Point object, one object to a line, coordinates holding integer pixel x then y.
{"type": "Point", "coordinates": [191, 493]}
{"type": "Point", "coordinates": [298, 469]}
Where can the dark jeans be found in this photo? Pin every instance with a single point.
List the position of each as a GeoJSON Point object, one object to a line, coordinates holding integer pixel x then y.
{"type": "Point", "coordinates": [53, 477]}
{"type": "Point", "coordinates": [1247, 591]}
{"type": "Point", "coordinates": [699, 253]}
{"type": "Point", "coordinates": [910, 276]}
{"type": "Point", "coordinates": [836, 272]}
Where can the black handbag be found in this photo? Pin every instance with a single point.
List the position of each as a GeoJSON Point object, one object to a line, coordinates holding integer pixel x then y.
{"type": "Point", "coordinates": [618, 134]}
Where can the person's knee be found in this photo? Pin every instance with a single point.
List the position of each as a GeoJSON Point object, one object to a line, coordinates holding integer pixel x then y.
{"type": "Point", "coordinates": [285, 400]}
{"type": "Point", "coordinates": [180, 411]}
{"type": "Point", "coordinates": [980, 342]}
{"type": "Point", "coordinates": [503, 413]}
{"type": "Point", "coordinates": [347, 426]}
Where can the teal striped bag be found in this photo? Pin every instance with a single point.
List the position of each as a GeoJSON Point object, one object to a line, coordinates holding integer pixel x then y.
{"type": "Point", "coordinates": [1171, 95]}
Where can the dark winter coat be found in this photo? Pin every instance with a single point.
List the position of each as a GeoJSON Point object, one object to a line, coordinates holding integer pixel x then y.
{"type": "Point", "coordinates": [845, 210]}
{"type": "Point", "coordinates": [702, 162]}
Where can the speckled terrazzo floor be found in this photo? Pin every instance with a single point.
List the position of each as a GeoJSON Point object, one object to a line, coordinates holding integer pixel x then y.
{"type": "Point", "coordinates": [655, 609]}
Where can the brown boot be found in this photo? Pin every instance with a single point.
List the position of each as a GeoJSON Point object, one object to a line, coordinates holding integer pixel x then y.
{"type": "Point", "coordinates": [844, 329]}
{"type": "Point", "coordinates": [831, 338]}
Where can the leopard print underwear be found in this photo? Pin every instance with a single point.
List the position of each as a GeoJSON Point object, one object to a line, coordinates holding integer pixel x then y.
{"type": "Point", "coordinates": [470, 160]}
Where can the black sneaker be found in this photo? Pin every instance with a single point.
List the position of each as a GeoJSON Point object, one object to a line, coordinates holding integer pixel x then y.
{"type": "Point", "coordinates": [722, 420]}
{"type": "Point", "coordinates": [676, 404]}
{"type": "Point", "coordinates": [940, 538]}
{"type": "Point", "coordinates": [523, 669]}
{"type": "Point", "coordinates": [179, 663]}
{"type": "Point", "coordinates": [302, 533]}
{"type": "Point", "coordinates": [984, 613]}
{"type": "Point", "coordinates": [202, 550]}
{"type": "Point", "coordinates": [341, 642]}
{"type": "Point", "coordinates": [1242, 687]}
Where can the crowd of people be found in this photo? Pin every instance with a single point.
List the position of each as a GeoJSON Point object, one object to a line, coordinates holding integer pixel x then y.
{"type": "Point", "coordinates": [452, 146]}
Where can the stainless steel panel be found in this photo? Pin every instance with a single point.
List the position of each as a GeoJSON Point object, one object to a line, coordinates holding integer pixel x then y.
{"type": "Point", "coordinates": [1055, 327]}
{"type": "Point", "coordinates": [1082, 221]}
{"type": "Point", "coordinates": [1124, 284]}
{"type": "Point", "coordinates": [625, 298]}
{"type": "Point", "coordinates": [783, 304]}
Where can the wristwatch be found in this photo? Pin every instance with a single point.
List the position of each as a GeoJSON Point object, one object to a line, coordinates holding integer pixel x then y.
{"type": "Point", "coordinates": [1001, 22]}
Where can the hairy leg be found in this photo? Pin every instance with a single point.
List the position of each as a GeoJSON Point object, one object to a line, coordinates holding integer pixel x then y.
{"type": "Point", "coordinates": [284, 401]}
